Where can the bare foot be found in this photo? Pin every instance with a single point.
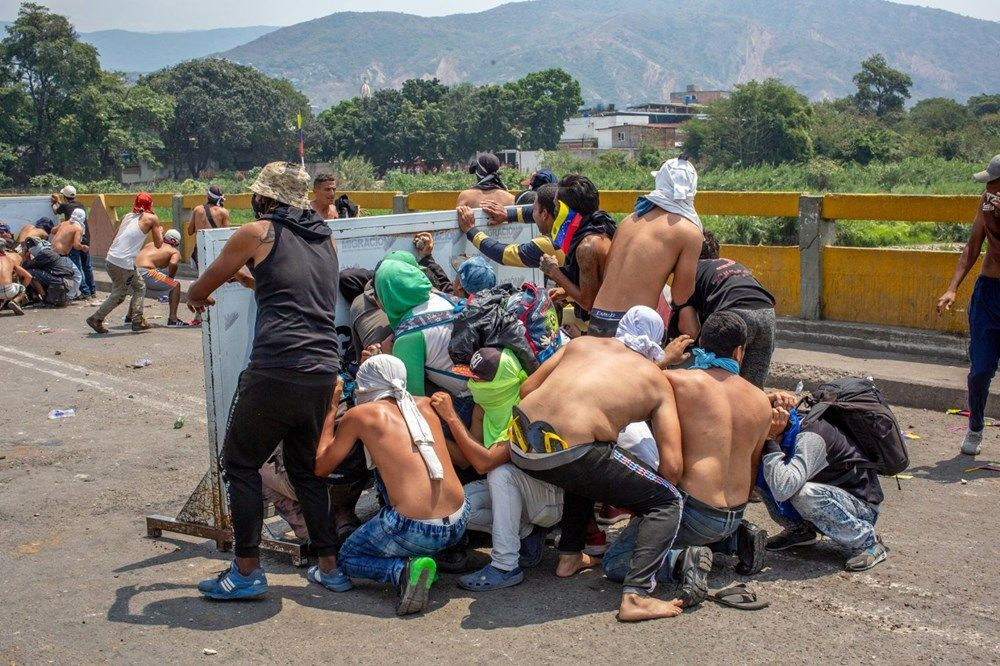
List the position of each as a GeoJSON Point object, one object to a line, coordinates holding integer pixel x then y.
{"type": "Point", "coordinates": [636, 609]}
{"type": "Point", "coordinates": [570, 564]}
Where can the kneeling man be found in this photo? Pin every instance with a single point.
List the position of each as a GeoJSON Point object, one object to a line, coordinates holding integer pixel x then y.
{"type": "Point", "coordinates": [424, 507]}
{"type": "Point", "coordinates": [564, 433]}
{"type": "Point", "coordinates": [724, 424]}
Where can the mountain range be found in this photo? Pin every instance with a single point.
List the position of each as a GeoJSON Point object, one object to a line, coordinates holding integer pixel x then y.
{"type": "Point", "coordinates": [621, 51]}
{"type": "Point", "coordinates": [636, 51]}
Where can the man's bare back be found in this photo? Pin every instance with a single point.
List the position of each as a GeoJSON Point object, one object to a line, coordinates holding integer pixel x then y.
{"type": "Point", "coordinates": [474, 198]}
{"type": "Point", "coordinates": [65, 237]}
{"type": "Point", "coordinates": [200, 221]}
{"type": "Point", "coordinates": [594, 387]}
{"type": "Point", "coordinates": [724, 423]}
{"type": "Point", "coordinates": [29, 231]}
{"type": "Point", "coordinates": [411, 491]}
{"type": "Point", "coordinates": [644, 253]}
{"type": "Point", "coordinates": [152, 257]}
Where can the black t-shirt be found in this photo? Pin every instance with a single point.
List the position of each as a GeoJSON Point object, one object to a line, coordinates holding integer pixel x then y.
{"type": "Point", "coordinates": [66, 210]}
{"type": "Point", "coordinates": [723, 284]}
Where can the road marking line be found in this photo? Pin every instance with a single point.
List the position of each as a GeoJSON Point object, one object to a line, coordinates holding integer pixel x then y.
{"type": "Point", "coordinates": [148, 401]}
{"type": "Point", "coordinates": [196, 402]}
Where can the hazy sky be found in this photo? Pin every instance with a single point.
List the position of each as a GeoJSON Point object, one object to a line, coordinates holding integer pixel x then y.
{"type": "Point", "coordinates": [155, 15]}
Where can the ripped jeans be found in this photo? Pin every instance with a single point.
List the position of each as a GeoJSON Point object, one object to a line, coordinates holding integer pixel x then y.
{"type": "Point", "coordinates": [836, 513]}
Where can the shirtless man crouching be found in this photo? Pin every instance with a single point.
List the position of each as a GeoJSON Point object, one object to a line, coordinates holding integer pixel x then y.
{"type": "Point", "coordinates": [724, 424]}
{"type": "Point", "coordinates": [564, 433]}
{"type": "Point", "coordinates": [12, 292]}
{"type": "Point", "coordinates": [150, 262]}
{"type": "Point", "coordinates": [424, 507]}
{"type": "Point", "coordinates": [662, 237]}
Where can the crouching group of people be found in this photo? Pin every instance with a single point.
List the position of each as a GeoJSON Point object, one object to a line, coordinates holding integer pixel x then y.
{"type": "Point", "coordinates": [505, 444]}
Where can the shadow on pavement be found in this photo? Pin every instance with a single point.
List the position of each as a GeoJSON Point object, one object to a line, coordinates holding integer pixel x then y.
{"type": "Point", "coordinates": [947, 471]}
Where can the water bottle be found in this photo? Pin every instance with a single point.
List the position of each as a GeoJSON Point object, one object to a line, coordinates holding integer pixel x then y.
{"type": "Point", "coordinates": [62, 413]}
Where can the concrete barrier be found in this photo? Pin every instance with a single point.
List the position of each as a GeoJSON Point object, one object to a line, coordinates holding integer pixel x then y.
{"type": "Point", "coordinates": [813, 281]}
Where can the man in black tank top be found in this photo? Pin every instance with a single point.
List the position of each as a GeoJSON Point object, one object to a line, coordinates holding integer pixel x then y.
{"type": "Point", "coordinates": [285, 393]}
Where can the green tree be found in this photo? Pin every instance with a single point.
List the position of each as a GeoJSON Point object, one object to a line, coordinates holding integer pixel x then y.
{"type": "Point", "coordinates": [882, 90]}
{"type": "Point", "coordinates": [762, 122]}
{"type": "Point", "coordinates": [841, 133]}
{"type": "Point", "coordinates": [544, 101]}
{"type": "Point", "coordinates": [982, 105]}
{"type": "Point", "coordinates": [937, 115]}
{"type": "Point", "coordinates": [42, 58]}
{"type": "Point", "coordinates": [228, 113]}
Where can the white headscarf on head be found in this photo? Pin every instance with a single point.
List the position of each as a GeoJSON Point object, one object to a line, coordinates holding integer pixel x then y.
{"type": "Point", "coordinates": [78, 216]}
{"type": "Point", "coordinates": [384, 376]}
{"type": "Point", "coordinates": [641, 330]}
{"type": "Point", "coordinates": [676, 185]}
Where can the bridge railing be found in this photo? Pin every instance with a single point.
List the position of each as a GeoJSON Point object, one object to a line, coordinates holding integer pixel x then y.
{"type": "Point", "coordinates": [812, 280]}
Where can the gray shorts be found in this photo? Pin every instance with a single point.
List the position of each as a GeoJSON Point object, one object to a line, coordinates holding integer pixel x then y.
{"type": "Point", "coordinates": [9, 292]}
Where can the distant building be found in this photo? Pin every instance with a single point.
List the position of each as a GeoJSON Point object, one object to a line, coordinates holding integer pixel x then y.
{"type": "Point", "coordinates": [691, 95]}
{"type": "Point", "coordinates": [633, 137]}
{"type": "Point", "coordinates": [583, 131]}
{"type": "Point", "coordinates": [366, 90]}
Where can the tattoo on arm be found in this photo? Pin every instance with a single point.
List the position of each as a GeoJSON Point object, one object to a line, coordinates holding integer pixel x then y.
{"type": "Point", "coordinates": [268, 236]}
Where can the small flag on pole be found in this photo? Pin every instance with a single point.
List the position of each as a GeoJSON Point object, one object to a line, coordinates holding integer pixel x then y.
{"type": "Point", "coordinates": [302, 141]}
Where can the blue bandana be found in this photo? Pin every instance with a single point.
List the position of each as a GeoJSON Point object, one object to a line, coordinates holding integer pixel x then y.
{"type": "Point", "coordinates": [704, 360]}
{"type": "Point", "coordinates": [785, 509]}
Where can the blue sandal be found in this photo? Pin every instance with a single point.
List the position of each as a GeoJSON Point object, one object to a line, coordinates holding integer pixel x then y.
{"type": "Point", "coordinates": [490, 578]}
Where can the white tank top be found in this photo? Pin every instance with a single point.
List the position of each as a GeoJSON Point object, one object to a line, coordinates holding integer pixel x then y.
{"type": "Point", "coordinates": [127, 243]}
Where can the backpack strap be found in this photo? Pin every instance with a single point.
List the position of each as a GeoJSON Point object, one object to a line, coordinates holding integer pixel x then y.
{"type": "Point", "coordinates": [415, 323]}
{"type": "Point", "coordinates": [208, 215]}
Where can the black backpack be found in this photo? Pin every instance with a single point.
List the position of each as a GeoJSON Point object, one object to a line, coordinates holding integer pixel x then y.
{"type": "Point", "coordinates": [858, 409]}
{"type": "Point", "coordinates": [56, 294]}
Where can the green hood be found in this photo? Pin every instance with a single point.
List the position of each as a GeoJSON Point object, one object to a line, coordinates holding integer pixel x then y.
{"type": "Point", "coordinates": [401, 255]}
{"type": "Point", "coordinates": [498, 397]}
{"type": "Point", "coordinates": [400, 286]}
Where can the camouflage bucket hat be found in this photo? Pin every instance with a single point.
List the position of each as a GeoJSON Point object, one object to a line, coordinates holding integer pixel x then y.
{"type": "Point", "coordinates": [284, 182]}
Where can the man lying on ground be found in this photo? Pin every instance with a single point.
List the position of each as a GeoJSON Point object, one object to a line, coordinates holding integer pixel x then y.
{"type": "Point", "coordinates": [722, 285]}
{"type": "Point", "coordinates": [425, 510]}
{"type": "Point", "coordinates": [724, 422]}
{"type": "Point", "coordinates": [662, 237]}
{"type": "Point", "coordinates": [826, 485]}
{"type": "Point", "coordinates": [11, 291]}
{"type": "Point", "coordinates": [486, 167]}
{"type": "Point", "coordinates": [515, 508]}
{"type": "Point", "coordinates": [564, 431]}
{"type": "Point", "coordinates": [150, 261]}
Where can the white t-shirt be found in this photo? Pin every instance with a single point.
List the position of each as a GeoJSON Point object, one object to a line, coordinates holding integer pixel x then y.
{"type": "Point", "coordinates": [127, 243]}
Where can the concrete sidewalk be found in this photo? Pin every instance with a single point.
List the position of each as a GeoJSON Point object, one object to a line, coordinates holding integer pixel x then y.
{"type": "Point", "coordinates": [906, 380]}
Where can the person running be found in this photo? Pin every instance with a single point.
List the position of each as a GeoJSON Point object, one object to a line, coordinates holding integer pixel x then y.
{"type": "Point", "coordinates": [125, 280]}
{"type": "Point", "coordinates": [723, 285]}
{"type": "Point", "coordinates": [486, 167]}
{"type": "Point", "coordinates": [12, 292]}
{"type": "Point", "coordinates": [660, 238]}
{"type": "Point", "coordinates": [285, 393]}
{"type": "Point", "coordinates": [564, 432]}
{"type": "Point", "coordinates": [209, 215]}
{"type": "Point", "coordinates": [724, 423]}
{"type": "Point", "coordinates": [151, 261]}
{"type": "Point", "coordinates": [984, 309]}
{"type": "Point", "coordinates": [424, 507]}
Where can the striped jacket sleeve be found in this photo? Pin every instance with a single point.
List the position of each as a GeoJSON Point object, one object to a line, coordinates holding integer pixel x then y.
{"type": "Point", "coordinates": [524, 255]}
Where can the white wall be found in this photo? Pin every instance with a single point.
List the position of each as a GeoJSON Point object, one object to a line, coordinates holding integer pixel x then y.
{"type": "Point", "coordinates": [586, 129]}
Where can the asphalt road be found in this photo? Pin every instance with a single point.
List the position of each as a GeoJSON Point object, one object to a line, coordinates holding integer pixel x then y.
{"type": "Point", "coordinates": [80, 582]}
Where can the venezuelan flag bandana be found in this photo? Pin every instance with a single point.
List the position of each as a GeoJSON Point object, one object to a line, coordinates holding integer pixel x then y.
{"type": "Point", "coordinates": [566, 224]}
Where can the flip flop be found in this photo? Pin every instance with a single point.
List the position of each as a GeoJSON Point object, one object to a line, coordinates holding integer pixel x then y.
{"type": "Point", "coordinates": [738, 596]}
{"type": "Point", "coordinates": [490, 578]}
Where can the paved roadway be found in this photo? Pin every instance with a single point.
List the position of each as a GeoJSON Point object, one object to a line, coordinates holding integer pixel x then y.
{"type": "Point", "coordinates": [80, 581]}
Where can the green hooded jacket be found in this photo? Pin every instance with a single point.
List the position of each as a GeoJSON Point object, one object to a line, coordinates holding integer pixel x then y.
{"type": "Point", "coordinates": [498, 397]}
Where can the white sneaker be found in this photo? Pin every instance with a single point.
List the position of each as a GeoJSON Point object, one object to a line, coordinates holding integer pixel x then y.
{"type": "Point", "coordinates": [972, 443]}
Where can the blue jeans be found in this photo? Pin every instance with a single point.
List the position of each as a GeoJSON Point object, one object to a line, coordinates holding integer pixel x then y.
{"type": "Point", "coordinates": [701, 525]}
{"type": "Point", "coordinates": [836, 513]}
{"type": "Point", "coordinates": [82, 261]}
{"type": "Point", "coordinates": [378, 550]}
{"type": "Point", "coordinates": [984, 346]}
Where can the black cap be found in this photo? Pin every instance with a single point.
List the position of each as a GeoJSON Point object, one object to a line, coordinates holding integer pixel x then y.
{"type": "Point", "coordinates": [483, 365]}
